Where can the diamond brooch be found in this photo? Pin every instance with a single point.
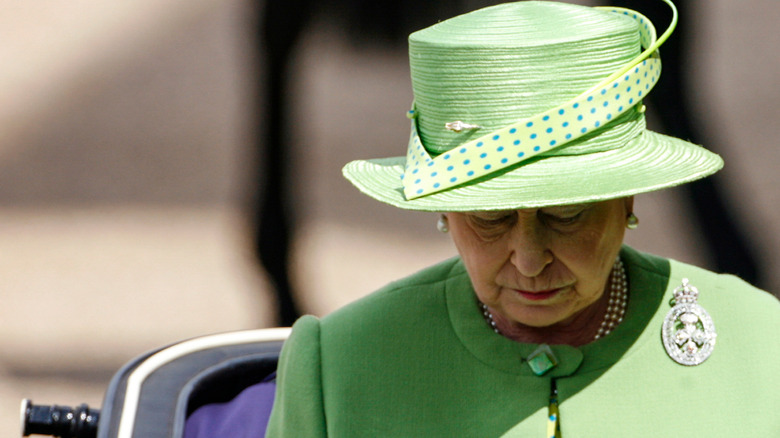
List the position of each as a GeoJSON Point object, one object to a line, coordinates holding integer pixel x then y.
{"type": "Point", "coordinates": [688, 332]}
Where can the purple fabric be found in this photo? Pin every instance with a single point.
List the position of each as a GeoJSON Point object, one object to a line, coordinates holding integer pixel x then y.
{"type": "Point", "coordinates": [246, 416]}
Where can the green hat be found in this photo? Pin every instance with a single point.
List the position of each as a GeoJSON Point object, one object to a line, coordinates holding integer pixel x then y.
{"type": "Point", "coordinates": [532, 104]}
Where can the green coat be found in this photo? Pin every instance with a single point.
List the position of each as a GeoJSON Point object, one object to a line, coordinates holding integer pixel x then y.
{"type": "Point", "coordinates": [417, 359]}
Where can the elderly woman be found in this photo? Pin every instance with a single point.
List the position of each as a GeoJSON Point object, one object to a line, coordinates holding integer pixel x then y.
{"type": "Point", "coordinates": [528, 132]}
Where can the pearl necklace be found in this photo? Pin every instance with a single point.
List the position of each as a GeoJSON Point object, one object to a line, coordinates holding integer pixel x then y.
{"type": "Point", "coordinates": [616, 306]}
{"type": "Point", "coordinates": [618, 300]}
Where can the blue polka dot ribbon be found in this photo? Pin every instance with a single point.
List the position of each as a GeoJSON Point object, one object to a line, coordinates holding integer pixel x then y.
{"type": "Point", "coordinates": [617, 94]}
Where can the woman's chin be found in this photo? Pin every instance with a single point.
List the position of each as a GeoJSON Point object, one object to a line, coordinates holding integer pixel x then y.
{"type": "Point", "coordinates": [536, 316]}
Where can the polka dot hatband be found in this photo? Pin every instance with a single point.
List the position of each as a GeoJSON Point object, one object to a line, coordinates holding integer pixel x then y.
{"type": "Point", "coordinates": [528, 85]}
{"type": "Point", "coordinates": [523, 140]}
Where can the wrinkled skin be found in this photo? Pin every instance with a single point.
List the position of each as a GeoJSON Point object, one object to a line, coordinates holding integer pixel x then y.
{"type": "Point", "coordinates": [542, 272]}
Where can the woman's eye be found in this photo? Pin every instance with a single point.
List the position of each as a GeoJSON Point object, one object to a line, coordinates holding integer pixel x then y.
{"type": "Point", "coordinates": [568, 219]}
{"type": "Point", "coordinates": [492, 220]}
{"type": "Point", "coordinates": [487, 222]}
{"type": "Point", "coordinates": [564, 220]}
{"type": "Point", "coordinates": [489, 226]}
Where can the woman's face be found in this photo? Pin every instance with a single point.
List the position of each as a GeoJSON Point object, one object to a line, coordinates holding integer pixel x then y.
{"type": "Point", "coordinates": [540, 267]}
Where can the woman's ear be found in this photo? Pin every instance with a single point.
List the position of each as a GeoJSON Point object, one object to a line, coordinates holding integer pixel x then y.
{"type": "Point", "coordinates": [629, 204]}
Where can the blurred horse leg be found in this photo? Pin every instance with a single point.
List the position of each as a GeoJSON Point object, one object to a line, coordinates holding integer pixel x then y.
{"type": "Point", "coordinates": [277, 35]}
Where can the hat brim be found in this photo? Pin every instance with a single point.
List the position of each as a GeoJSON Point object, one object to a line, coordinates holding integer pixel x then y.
{"type": "Point", "coordinates": [649, 162]}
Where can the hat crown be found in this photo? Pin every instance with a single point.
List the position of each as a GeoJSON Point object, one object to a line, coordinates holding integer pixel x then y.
{"type": "Point", "coordinates": [503, 63]}
{"type": "Point", "coordinates": [549, 104]}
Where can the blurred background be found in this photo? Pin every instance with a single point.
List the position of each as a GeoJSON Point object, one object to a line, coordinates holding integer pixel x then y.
{"type": "Point", "coordinates": [133, 145]}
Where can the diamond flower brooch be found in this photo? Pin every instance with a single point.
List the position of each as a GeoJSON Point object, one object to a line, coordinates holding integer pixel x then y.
{"type": "Point", "coordinates": [688, 332]}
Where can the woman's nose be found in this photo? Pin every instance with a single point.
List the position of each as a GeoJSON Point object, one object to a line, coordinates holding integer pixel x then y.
{"type": "Point", "coordinates": [530, 249]}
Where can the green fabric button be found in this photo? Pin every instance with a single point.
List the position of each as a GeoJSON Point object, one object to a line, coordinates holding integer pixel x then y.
{"type": "Point", "coordinates": [542, 360]}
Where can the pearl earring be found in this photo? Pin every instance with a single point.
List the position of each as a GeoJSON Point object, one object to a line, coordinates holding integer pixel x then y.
{"type": "Point", "coordinates": [443, 224]}
{"type": "Point", "coordinates": [632, 222]}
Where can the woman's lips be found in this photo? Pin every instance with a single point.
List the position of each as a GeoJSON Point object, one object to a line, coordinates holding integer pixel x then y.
{"type": "Point", "coordinates": [539, 295]}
